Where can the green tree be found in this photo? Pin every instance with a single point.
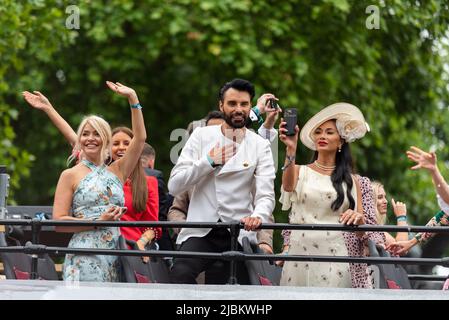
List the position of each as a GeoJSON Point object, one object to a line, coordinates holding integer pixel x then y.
{"type": "Point", "coordinates": [28, 40]}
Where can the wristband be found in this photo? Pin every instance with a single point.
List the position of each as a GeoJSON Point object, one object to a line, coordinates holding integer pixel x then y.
{"type": "Point", "coordinates": [401, 218]}
{"type": "Point", "coordinates": [418, 237]}
{"type": "Point", "coordinates": [136, 106]}
{"type": "Point", "coordinates": [256, 116]}
{"type": "Point", "coordinates": [211, 162]}
{"type": "Point", "coordinates": [143, 239]}
{"type": "Point", "coordinates": [291, 159]}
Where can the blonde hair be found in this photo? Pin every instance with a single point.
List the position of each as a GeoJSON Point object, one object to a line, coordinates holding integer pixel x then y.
{"type": "Point", "coordinates": [381, 218]}
{"type": "Point", "coordinates": [104, 130]}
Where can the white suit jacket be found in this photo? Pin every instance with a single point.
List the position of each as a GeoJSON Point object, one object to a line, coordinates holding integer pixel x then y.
{"type": "Point", "coordinates": [244, 186]}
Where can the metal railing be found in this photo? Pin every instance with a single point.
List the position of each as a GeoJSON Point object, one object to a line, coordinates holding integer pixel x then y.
{"type": "Point", "coordinates": [34, 249]}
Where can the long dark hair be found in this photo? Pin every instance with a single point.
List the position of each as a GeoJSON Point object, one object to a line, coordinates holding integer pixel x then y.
{"type": "Point", "coordinates": [342, 172]}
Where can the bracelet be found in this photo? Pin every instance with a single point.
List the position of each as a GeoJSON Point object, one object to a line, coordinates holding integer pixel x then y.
{"type": "Point", "coordinates": [136, 106]}
{"type": "Point", "coordinates": [143, 239]}
{"type": "Point", "coordinates": [290, 159]}
{"type": "Point", "coordinates": [256, 111]}
{"type": "Point", "coordinates": [211, 161]}
{"type": "Point", "coordinates": [156, 233]}
{"type": "Point", "coordinates": [418, 237]}
{"type": "Point", "coordinates": [401, 218]}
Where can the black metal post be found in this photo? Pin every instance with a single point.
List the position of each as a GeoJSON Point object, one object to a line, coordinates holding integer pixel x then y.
{"type": "Point", "coordinates": [35, 231]}
{"type": "Point", "coordinates": [4, 186]}
{"type": "Point", "coordinates": [235, 231]}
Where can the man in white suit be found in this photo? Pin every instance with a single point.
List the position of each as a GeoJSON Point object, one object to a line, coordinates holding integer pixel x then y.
{"type": "Point", "coordinates": [231, 172]}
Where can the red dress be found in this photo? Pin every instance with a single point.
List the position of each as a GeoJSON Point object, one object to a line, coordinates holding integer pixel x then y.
{"type": "Point", "coordinates": [150, 214]}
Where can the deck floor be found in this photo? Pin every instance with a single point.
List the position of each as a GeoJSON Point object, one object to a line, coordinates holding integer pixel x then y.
{"type": "Point", "coordinates": [59, 290]}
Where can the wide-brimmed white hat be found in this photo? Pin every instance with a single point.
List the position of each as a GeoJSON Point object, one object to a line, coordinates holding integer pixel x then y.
{"type": "Point", "coordinates": [350, 123]}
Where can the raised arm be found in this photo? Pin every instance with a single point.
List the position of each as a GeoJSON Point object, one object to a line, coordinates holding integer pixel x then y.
{"type": "Point", "coordinates": [290, 170]}
{"type": "Point", "coordinates": [428, 160]}
{"type": "Point", "coordinates": [126, 164]}
{"type": "Point", "coordinates": [266, 130]}
{"type": "Point", "coordinates": [400, 212]}
{"type": "Point", "coordinates": [38, 101]}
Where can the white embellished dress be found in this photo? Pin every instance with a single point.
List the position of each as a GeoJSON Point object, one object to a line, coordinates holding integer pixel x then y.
{"type": "Point", "coordinates": [310, 203]}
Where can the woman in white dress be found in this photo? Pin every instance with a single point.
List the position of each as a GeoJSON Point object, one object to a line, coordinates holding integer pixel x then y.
{"type": "Point", "coordinates": [322, 192]}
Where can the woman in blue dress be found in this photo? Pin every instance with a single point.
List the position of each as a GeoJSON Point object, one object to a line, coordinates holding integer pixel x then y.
{"type": "Point", "coordinates": [92, 190]}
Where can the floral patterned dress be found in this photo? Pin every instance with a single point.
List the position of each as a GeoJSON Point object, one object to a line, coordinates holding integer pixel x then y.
{"type": "Point", "coordinates": [96, 192]}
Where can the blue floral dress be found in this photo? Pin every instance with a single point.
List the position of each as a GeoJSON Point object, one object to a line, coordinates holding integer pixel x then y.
{"type": "Point", "coordinates": [96, 192]}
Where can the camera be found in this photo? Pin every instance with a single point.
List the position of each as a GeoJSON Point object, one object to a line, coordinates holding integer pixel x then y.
{"type": "Point", "coordinates": [272, 103]}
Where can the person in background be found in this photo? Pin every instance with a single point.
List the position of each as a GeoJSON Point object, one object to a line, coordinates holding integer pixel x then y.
{"type": "Point", "coordinates": [381, 206]}
{"type": "Point", "coordinates": [141, 194]}
{"type": "Point", "coordinates": [427, 161]}
{"type": "Point", "coordinates": [165, 198]}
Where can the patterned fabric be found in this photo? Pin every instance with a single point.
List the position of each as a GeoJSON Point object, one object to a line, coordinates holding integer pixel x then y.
{"type": "Point", "coordinates": [311, 204]}
{"type": "Point", "coordinates": [286, 236]}
{"type": "Point", "coordinates": [96, 192]}
{"type": "Point", "coordinates": [357, 247]}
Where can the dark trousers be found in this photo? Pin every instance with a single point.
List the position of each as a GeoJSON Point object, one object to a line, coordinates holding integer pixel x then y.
{"type": "Point", "coordinates": [185, 270]}
{"type": "Point", "coordinates": [165, 243]}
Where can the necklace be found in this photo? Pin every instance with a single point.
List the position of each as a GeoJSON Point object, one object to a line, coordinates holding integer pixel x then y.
{"type": "Point", "coordinates": [325, 168]}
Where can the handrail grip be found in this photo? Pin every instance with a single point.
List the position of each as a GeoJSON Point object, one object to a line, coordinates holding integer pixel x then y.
{"type": "Point", "coordinates": [274, 226]}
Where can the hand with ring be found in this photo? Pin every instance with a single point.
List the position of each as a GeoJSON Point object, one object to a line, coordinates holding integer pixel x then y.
{"type": "Point", "coordinates": [351, 217]}
{"type": "Point", "coordinates": [112, 214]}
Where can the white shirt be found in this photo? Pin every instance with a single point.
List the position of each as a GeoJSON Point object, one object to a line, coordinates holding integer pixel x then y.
{"type": "Point", "coordinates": [243, 187]}
{"type": "Point", "coordinates": [269, 134]}
{"type": "Point", "coordinates": [443, 205]}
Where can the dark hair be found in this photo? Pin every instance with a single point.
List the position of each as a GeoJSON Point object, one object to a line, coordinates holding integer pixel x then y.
{"type": "Point", "coordinates": [237, 84]}
{"type": "Point", "coordinates": [342, 172]}
{"type": "Point", "coordinates": [148, 151]}
{"type": "Point", "coordinates": [215, 114]}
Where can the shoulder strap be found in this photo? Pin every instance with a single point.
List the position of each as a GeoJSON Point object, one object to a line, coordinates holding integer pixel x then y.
{"type": "Point", "coordinates": [89, 164]}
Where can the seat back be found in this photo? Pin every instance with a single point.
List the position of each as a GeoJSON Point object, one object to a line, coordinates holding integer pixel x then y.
{"type": "Point", "coordinates": [135, 270]}
{"type": "Point", "coordinates": [261, 272]}
{"type": "Point", "coordinates": [17, 265]}
{"type": "Point", "coordinates": [391, 276]}
{"type": "Point", "coordinates": [28, 212]}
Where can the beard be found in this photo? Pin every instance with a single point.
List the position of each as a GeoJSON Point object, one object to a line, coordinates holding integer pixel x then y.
{"type": "Point", "coordinates": [237, 124]}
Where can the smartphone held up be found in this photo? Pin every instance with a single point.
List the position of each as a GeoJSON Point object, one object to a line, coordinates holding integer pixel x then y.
{"type": "Point", "coordinates": [272, 104]}
{"type": "Point", "coordinates": [290, 117]}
